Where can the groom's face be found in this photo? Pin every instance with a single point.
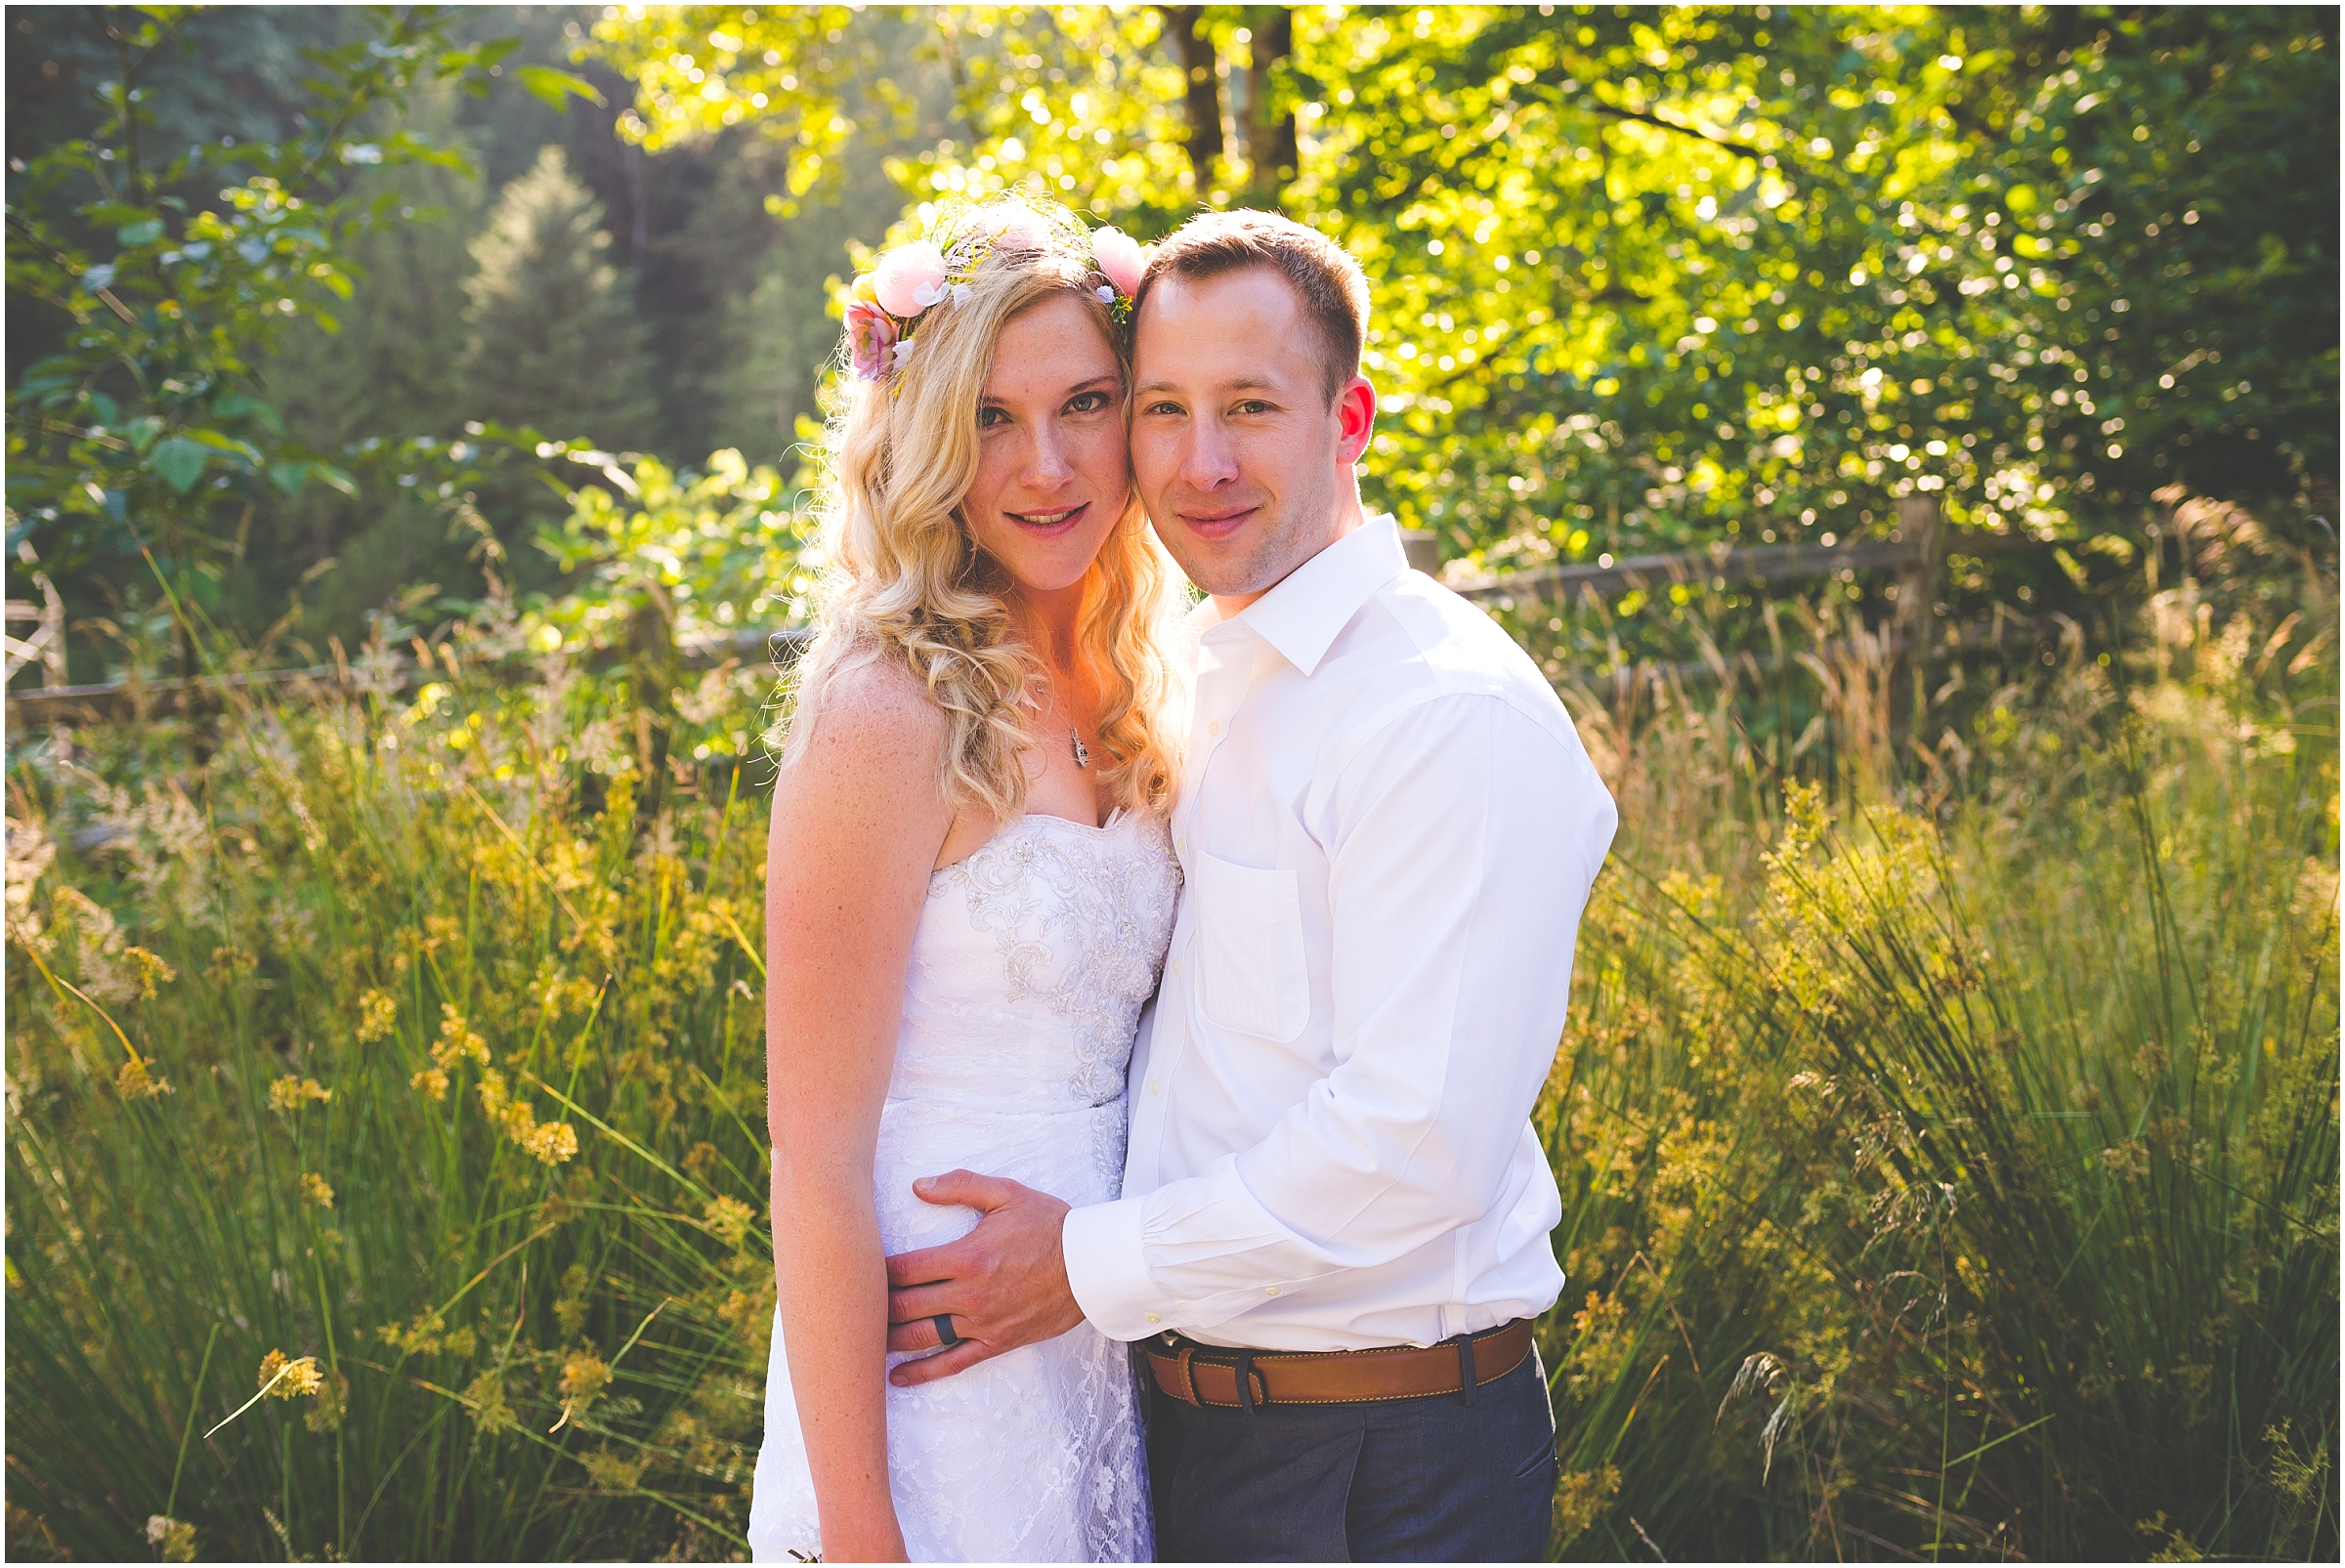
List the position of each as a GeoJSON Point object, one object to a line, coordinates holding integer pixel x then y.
{"type": "Point", "coordinates": [1241, 457]}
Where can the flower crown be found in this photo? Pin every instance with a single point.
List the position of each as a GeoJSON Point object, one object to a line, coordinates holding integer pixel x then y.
{"type": "Point", "coordinates": [890, 300]}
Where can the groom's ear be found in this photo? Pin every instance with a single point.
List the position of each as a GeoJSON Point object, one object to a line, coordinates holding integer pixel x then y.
{"type": "Point", "coordinates": [1355, 417]}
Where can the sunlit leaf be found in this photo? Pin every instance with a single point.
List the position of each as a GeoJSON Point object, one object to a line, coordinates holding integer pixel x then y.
{"type": "Point", "coordinates": [178, 461]}
{"type": "Point", "coordinates": [555, 88]}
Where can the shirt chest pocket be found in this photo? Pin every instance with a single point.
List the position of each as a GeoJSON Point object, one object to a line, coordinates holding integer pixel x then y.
{"type": "Point", "coordinates": [1253, 978]}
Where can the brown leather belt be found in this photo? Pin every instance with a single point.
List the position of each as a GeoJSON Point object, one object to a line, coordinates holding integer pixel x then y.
{"type": "Point", "coordinates": [1209, 1375]}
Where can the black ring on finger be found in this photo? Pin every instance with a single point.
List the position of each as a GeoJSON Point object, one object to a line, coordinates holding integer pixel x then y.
{"type": "Point", "coordinates": [944, 1328]}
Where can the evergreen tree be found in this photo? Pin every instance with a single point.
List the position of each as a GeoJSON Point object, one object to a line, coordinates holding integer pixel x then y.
{"type": "Point", "coordinates": [770, 317]}
{"type": "Point", "coordinates": [554, 341]}
{"type": "Point", "coordinates": [389, 374]}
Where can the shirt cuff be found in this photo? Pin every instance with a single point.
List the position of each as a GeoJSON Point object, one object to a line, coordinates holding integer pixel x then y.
{"type": "Point", "coordinates": [1107, 1273]}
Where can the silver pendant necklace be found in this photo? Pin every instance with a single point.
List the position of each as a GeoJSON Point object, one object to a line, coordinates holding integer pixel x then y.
{"type": "Point", "coordinates": [1082, 753]}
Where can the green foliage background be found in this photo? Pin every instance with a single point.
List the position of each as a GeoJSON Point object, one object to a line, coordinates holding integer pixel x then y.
{"type": "Point", "coordinates": [1666, 275]}
{"type": "Point", "coordinates": [1644, 277]}
{"type": "Point", "coordinates": [1948, 1123]}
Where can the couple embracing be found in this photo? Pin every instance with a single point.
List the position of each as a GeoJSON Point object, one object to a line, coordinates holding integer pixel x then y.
{"type": "Point", "coordinates": [1158, 997]}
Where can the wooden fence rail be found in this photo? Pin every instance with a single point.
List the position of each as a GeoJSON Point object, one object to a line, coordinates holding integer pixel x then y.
{"type": "Point", "coordinates": [81, 704]}
{"type": "Point", "coordinates": [1916, 551]}
{"type": "Point", "coordinates": [1723, 567]}
{"type": "Point", "coordinates": [1917, 547]}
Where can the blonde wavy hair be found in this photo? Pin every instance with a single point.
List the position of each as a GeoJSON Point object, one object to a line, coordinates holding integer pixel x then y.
{"type": "Point", "coordinates": [908, 585]}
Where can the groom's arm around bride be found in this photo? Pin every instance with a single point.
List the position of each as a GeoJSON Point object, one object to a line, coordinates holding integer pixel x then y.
{"type": "Point", "coordinates": [1334, 1227]}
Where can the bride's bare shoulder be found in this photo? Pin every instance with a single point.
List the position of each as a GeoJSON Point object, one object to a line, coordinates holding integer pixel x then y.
{"type": "Point", "coordinates": [869, 710]}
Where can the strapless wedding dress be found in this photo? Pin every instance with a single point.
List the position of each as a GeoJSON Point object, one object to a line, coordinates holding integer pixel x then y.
{"type": "Point", "coordinates": [1029, 969]}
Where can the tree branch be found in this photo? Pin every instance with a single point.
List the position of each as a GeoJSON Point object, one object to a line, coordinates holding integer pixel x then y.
{"type": "Point", "coordinates": [1693, 131]}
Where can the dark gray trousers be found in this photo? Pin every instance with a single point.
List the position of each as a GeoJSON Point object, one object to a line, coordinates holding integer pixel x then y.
{"type": "Point", "coordinates": [1400, 1480]}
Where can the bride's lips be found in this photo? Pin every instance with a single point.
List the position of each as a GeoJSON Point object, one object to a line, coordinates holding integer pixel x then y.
{"type": "Point", "coordinates": [1052, 522]}
{"type": "Point", "coordinates": [1216, 523]}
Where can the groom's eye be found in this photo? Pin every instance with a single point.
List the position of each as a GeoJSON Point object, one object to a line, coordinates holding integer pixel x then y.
{"type": "Point", "coordinates": [1252, 406]}
{"type": "Point", "coordinates": [1162, 409]}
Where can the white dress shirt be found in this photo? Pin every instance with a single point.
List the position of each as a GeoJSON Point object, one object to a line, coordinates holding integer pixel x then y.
{"type": "Point", "coordinates": [1388, 827]}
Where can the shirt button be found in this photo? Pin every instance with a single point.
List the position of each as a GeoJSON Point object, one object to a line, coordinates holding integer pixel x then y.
{"type": "Point", "coordinates": [1273, 1291]}
{"type": "Point", "coordinates": [1156, 1317]}
{"type": "Point", "coordinates": [1156, 1085]}
{"type": "Point", "coordinates": [1214, 727]}
{"type": "Point", "coordinates": [1177, 967]}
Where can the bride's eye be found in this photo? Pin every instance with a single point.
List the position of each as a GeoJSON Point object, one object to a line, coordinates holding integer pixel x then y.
{"type": "Point", "coordinates": [988, 418]}
{"type": "Point", "coordinates": [1087, 402]}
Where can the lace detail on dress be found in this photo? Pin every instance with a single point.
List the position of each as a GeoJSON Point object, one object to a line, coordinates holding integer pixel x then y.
{"type": "Point", "coordinates": [1033, 959]}
{"type": "Point", "coordinates": [1082, 926]}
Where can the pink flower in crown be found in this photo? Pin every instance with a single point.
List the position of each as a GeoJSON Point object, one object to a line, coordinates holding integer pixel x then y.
{"type": "Point", "coordinates": [1119, 258]}
{"type": "Point", "coordinates": [1015, 225]}
{"type": "Point", "coordinates": [909, 279]}
{"type": "Point", "coordinates": [871, 339]}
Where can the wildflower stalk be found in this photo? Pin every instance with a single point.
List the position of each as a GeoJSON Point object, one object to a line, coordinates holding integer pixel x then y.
{"type": "Point", "coordinates": [86, 1001]}
{"type": "Point", "coordinates": [267, 1389]}
{"type": "Point", "coordinates": [188, 1427]}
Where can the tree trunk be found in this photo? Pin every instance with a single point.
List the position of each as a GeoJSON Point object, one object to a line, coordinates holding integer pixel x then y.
{"type": "Point", "coordinates": [639, 214]}
{"type": "Point", "coordinates": [1203, 141]}
{"type": "Point", "coordinates": [1270, 130]}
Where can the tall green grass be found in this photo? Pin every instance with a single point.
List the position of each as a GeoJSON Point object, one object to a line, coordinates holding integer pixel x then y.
{"type": "Point", "coordinates": [371, 1038]}
{"type": "Point", "coordinates": [1947, 1125]}
{"type": "Point", "coordinates": [1952, 1170]}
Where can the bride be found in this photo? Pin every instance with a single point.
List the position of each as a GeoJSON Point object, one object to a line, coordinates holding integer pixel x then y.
{"type": "Point", "coordinates": [969, 891]}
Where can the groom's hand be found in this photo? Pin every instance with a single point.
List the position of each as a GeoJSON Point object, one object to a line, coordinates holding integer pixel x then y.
{"type": "Point", "coordinates": [1004, 1283]}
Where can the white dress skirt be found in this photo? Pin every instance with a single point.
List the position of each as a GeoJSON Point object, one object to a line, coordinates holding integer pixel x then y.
{"type": "Point", "coordinates": [1029, 969]}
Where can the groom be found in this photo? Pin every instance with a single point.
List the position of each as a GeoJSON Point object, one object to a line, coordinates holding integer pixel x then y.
{"type": "Point", "coordinates": [1334, 1230]}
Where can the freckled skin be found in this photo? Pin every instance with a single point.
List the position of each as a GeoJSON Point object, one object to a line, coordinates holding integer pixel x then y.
{"type": "Point", "coordinates": [1053, 477]}
{"type": "Point", "coordinates": [1051, 439]}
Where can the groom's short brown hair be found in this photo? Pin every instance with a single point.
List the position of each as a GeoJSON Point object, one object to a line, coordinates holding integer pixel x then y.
{"type": "Point", "coordinates": [1333, 289]}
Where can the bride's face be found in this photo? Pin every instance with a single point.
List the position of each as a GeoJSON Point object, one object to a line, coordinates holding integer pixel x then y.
{"type": "Point", "coordinates": [1052, 472]}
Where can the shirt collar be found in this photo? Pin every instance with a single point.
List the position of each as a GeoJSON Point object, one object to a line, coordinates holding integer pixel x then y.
{"type": "Point", "coordinates": [1302, 616]}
